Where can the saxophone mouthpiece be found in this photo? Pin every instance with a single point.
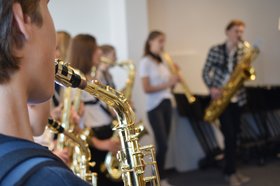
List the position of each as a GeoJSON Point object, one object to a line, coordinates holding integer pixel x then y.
{"type": "Point", "coordinates": [54, 126]}
{"type": "Point", "coordinates": [67, 76]}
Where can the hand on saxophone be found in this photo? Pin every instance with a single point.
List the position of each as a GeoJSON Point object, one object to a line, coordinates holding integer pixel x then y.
{"type": "Point", "coordinates": [174, 79]}
{"type": "Point", "coordinates": [111, 145]}
{"type": "Point", "coordinates": [76, 116]}
{"type": "Point", "coordinates": [215, 93]}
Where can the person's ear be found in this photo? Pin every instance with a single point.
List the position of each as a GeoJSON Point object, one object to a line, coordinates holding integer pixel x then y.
{"type": "Point", "coordinates": [23, 22]}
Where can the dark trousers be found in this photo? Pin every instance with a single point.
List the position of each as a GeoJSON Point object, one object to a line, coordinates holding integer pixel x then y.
{"type": "Point", "coordinates": [230, 127]}
{"type": "Point", "coordinates": [160, 120]}
{"type": "Point", "coordinates": [98, 156]}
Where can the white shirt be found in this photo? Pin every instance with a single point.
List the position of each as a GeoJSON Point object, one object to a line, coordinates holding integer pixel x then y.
{"type": "Point", "coordinates": [94, 115]}
{"type": "Point", "coordinates": [158, 73]}
{"type": "Point", "coordinates": [230, 68]}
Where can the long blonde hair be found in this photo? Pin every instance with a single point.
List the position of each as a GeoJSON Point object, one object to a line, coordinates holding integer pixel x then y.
{"type": "Point", "coordinates": [63, 42]}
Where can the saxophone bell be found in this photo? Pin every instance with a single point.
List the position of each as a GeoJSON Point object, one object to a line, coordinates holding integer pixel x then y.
{"type": "Point", "coordinates": [250, 73]}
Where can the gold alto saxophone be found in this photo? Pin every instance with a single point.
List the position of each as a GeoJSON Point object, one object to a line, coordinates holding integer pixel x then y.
{"type": "Point", "coordinates": [111, 166]}
{"type": "Point", "coordinates": [82, 169]}
{"type": "Point", "coordinates": [84, 135]}
{"type": "Point", "coordinates": [174, 70]}
{"type": "Point", "coordinates": [68, 125]}
{"type": "Point", "coordinates": [128, 64]}
{"type": "Point", "coordinates": [65, 139]}
{"type": "Point", "coordinates": [127, 91]}
{"type": "Point", "coordinates": [242, 72]}
{"type": "Point", "coordinates": [131, 155]}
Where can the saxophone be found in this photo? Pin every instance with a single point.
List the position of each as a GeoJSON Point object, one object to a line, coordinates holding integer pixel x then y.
{"type": "Point", "coordinates": [127, 91]}
{"type": "Point", "coordinates": [131, 155]}
{"type": "Point", "coordinates": [128, 64]}
{"type": "Point", "coordinates": [242, 72]}
{"type": "Point", "coordinates": [174, 70]}
{"type": "Point", "coordinates": [81, 147]}
{"type": "Point", "coordinates": [111, 166]}
{"type": "Point", "coordinates": [65, 119]}
{"type": "Point", "coordinates": [68, 125]}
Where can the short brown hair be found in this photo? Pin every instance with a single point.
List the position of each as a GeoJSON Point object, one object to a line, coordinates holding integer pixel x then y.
{"type": "Point", "coordinates": [233, 23]}
{"type": "Point", "coordinates": [81, 50]}
{"type": "Point", "coordinates": [154, 34]}
{"type": "Point", "coordinates": [11, 37]}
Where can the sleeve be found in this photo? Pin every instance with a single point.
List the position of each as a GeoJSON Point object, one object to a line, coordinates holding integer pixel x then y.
{"type": "Point", "coordinates": [144, 69]}
{"type": "Point", "coordinates": [208, 68]}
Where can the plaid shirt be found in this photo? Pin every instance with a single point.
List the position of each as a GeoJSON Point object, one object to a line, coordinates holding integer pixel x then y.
{"type": "Point", "coordinates": [217, 71]}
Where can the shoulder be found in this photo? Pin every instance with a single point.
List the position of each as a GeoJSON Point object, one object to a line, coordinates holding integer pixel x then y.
{"type": "Point", "coordinates": [56, 175]}
{"type": "Point", "coordinates": [217, 48]}
{"type": "Point", "coordinates": [216, 53]}
{"type": "Point", "coordinates": [146, 60]}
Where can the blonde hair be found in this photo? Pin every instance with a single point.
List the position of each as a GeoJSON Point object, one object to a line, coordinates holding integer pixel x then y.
{"type": "Point", "coordinates": [63, 41]}
{"type": "Point", "coordinates": [106, 49]}
{"type": "Point", "coordinates": [233, 23]}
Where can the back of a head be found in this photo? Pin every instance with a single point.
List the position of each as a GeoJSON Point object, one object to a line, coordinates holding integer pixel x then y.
{"type": "Point", "coordinates": [81, 52]}
{"type": "Point", "coordinates": [63, 42]}
{"type": "Point", "coordinates": [107, 49]}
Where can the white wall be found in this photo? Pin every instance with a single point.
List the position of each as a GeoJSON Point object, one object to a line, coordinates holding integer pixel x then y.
{"type": "Point", "coordinates": [193, 26]}
{"type": "Point", "coordinates": [105, 20]}
{"type": "Point", "coordinates": [86, 16]}
{"type": "Point", "coordinates": [137, 26]}
{"type": "Point", "coordinates": [122, 23]}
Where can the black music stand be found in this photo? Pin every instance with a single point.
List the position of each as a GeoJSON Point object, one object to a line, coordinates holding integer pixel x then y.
{"type": "Point", "coordinates": [203, 131]}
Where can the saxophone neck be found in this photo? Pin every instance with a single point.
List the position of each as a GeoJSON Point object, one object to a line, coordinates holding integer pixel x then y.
{"type": "Point", "coordinates": [131, 77]}
{"type": "Point", "coordinates": [248, 46]}
{"type": "Point", "coordinates": [170, 63]}
{"type": "Point", "coordinates": [66, 76]}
